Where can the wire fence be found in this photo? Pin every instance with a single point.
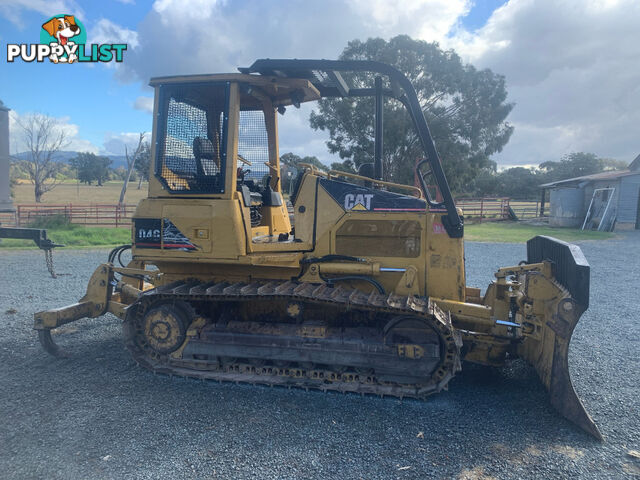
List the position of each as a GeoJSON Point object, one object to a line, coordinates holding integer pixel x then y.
{"type": "Point", "coordinates": [119, 215]}
{"type": "Point", "coordinates": [483, 209]}
{"type": "Point", "coordinates": [94, 214]}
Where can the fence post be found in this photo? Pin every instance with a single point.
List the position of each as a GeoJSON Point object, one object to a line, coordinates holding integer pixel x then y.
{"type": "Point", "coordinates": [481, 209]}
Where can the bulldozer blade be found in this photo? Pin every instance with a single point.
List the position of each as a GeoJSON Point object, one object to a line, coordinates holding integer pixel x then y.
{"type": "Point", "coordinates": [49, 345]}
{"type": "Point", "coordinates": [549, 357]}
{"type": "Point", "coordinates": [549, 353]}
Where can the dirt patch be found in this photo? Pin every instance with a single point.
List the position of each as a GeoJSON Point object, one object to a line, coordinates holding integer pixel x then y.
{"type": "Point", "coordinates": [567, 451]}
{"type": "Point", "coordinates": [476, 473]}
{"type": "Point", "coordinates": [631, 468]}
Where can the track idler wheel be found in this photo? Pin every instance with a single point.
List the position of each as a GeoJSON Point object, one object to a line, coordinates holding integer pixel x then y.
{"type": "Point", "coordinates": [432, 347]}
{"type": "Point", "coordinates": [162, 328]}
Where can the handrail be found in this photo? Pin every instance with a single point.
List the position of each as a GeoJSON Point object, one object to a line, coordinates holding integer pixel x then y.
{"type": "Point", "coordinates": [452, 222]}
{"type": "Point", "coordinates": [313, 169]}
{"type": "Point", "coordinates": [338, 173]}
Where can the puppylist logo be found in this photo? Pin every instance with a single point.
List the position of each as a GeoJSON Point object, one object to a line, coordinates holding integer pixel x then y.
{"type": "Point", "coordinates": [63, 40]}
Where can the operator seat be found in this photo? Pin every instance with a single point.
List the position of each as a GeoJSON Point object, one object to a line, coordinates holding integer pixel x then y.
{"type": "Point", "coordinates": [207, 157]}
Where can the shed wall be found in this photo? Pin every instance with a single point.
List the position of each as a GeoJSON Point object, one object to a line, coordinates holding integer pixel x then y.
{"type": "Point", "coordinates": [566, 207]}
{"type": "Point", "coordinates": [628, 199]}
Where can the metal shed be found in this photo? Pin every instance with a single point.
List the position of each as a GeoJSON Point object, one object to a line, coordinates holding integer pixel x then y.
{"type": "Point", "coordinates": [571, 201]}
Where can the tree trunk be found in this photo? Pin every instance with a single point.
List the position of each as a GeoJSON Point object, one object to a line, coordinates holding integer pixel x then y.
{"type": "Point", "coordinates": [126, 182]}
{"type": "Point", "coordinates": [140, 182]}
{"type": "Point", "coordinates": [131, 162]}
{"type": "Point", "coordinates": [37, 193]}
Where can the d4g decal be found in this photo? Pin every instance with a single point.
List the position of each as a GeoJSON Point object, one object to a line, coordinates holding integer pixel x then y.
{"type": "Point", "coordinates": [160, 233]}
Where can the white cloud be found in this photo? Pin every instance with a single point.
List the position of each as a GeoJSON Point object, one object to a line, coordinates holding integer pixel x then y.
{"type": "Point", "coordinates": [13, 9]}
{"type": "Point", "coordinates": [105, 31]}
{"type": "Point", "coordinates": [115, 143]}
{"type": "Point", "coordinates": [71, 131]}
{"type": "Point", "coordinates": [428, 20]}
{"type": "Point", "coordinates": [219, 36]}
{"type": "Point", "coordinates": [144, 103]}
{"type": "Point", "coordinates": [571, 68]}
{"type": "Point", "coordinates": [171, 10]}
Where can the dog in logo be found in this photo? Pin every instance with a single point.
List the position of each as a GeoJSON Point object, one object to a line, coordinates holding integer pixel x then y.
{"type": "Point", "coordinates": [62, 29]}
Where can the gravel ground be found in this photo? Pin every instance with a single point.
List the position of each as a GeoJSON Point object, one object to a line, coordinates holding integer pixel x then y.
{"type": "Point", "coordinates": [97, 415]}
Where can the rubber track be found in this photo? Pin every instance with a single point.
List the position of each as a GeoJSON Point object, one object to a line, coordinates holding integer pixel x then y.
{"type": "Point", "coordinates": [339, 296]}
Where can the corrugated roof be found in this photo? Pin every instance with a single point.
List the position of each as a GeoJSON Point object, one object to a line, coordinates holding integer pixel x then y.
{"type": "Point", "coordinates": [596, 176]}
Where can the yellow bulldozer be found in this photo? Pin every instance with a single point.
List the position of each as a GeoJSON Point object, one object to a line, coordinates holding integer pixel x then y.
{"type": "Point", "coordinates": [360, 289]}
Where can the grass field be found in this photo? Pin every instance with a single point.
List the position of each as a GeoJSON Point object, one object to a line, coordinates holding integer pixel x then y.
{"type": "Point", "coordinates": [513, 232]}
{"type": "Point", "coordinates": [505, 232]}
{"type": "Point", "coordinates": [72, 192]}
{"type": "Point", "coordinates": [60, 231]}
{"type": "Point", "coordinates": [78, 236]}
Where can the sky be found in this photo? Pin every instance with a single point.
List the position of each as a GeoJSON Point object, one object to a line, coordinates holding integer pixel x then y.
{"type": "Point", "coordinates": [572, 67]}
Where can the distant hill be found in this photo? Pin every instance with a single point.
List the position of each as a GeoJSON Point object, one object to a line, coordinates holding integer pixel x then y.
{"type": "Point", "coordinates": [66, 156]}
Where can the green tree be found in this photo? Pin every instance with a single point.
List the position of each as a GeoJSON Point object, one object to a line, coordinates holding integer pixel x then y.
{"type": "Point", "coordinates": [524, 183]}
{"type": "Point", "coordinates": [578, 164]}
{"type": "Point", "coordinates": [466, 110]}
{"type": "Point", "coordinates": [81, 165]}
{"type": "Point", "coordinates": [572, 165]}
{"type": "Point", "coordinates": [292, 160]}
{"type": "Point", "coordinates": [345, 166]}
{"type": "Point", "coordinates": [119, 173]}
{"type": "Point", "coordinates": [102, 169]}
{"type": "Point", "coordinates": [485, 184]}
{"type": "Point", "coordinates": [290, 164]}
{"type": "Point", "coordinates": [520, 183]}
{"type": "Point", "coordinates": [91, 167]}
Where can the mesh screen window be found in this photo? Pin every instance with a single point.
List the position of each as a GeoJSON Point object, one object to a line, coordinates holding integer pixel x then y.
{"type": "Point", "coordinates": [253, 146]}
{"type": "Point", "coordinates": [191, 153]}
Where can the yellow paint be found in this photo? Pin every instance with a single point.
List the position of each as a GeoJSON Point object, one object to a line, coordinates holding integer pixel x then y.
{"type": "Point", "coordinates": [429, 262]}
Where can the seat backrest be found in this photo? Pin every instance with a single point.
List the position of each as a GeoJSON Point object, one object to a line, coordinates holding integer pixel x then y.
{"type": "Point", "coordinates": [207, 156]}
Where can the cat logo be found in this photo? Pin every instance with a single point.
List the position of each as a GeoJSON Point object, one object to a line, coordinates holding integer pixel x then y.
{"type": "Point", "coordinates": [359, 201]}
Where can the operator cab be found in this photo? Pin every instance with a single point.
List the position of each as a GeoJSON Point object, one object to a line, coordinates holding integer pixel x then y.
{"type": "Point", "coordinates": [216, 137]}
